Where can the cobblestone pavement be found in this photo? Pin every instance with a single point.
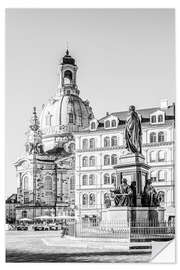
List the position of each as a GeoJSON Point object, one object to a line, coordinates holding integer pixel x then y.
{"type": "Point", "coordinates": [30, 246]}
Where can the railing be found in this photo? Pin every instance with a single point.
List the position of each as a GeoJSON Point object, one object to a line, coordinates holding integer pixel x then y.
{"type": "Point", "coordinates": [134, 231]}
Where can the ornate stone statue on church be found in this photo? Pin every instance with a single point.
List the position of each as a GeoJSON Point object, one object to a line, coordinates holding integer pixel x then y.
{"type": "Point", "coordinates": [133, 132]}
{"type": "Point", "coordinates": [150, 197]}
{"type": "Point", "coordinates": [123, 195]}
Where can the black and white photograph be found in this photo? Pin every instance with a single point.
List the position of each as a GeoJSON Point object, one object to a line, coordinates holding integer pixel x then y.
{"type": "Point", "coordinates": [90, 124]}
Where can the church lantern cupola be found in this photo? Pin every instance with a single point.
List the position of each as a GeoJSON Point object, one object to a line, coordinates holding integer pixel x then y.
{"type": "Point", "coordinates": [67, 71]}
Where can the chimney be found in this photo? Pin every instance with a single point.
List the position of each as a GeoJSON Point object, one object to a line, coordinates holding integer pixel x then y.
{"type": "Point", "coordinates": [164, 104]}
{"type": "Point", "coordinates": [107, 113]}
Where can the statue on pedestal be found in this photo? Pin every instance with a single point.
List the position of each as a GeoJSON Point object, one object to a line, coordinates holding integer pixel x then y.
{"type": "Point", "coordinates": [150, 196]}
{"type": "Point", "coordinates": [133, 132]}
{"type": "Point", "coordinates": [123, 194]}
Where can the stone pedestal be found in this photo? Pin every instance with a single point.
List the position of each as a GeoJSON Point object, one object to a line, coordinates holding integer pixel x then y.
{"type": "Point", "coordinates": [132, 166]}
{"type": "Point", "coordinates": [119, 215]}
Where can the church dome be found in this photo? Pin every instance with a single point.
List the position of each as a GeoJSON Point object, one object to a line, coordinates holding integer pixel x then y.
{"type": "Point", "coordinates": [65, 113]}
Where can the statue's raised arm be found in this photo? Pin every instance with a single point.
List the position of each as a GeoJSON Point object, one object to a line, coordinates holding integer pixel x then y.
{"type": "Point", "coordinates": [133, 132]}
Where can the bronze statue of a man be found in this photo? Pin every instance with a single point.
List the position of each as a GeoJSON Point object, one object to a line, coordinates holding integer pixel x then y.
{"type": "Point", "coordinates": [133, 132]}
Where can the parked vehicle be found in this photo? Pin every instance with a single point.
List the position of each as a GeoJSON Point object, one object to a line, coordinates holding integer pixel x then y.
{"type": "Point", "coordinates": [53, 226]}
{"type": "Point", "coordinates": [41, 227]}
{"type": "Point", "coordinates": [22, 227]}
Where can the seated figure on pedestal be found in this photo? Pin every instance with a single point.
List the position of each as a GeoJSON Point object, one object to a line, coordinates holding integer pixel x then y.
{"type": "Point", "coordinates": [133, 132]}
{"type": "Point", "coordinates": [123, 194]}
{"type": "Point", "coordinates": [150, 196]}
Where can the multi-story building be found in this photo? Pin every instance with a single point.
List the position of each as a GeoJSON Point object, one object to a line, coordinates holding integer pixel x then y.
{"type": "Point", "coordinates": [99, 147]}
{"type": "Point", "coordinates": [45, 173]}
{"type": "Point", "coordinates": [11, 204]}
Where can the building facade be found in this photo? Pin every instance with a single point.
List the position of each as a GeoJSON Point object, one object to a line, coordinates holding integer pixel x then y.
{"type": "Point", "coordinates": [45, 173]}
{"type": "Point", "coordinates": [11, 204]}
{"type": "Point", "coordinates": [99, 147]}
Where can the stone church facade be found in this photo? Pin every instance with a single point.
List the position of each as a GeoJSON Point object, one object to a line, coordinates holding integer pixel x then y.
{"type": "Point", "coordinates": [45, 173]}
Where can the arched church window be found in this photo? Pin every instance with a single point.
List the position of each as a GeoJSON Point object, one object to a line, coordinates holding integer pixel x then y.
{"type": "Point", "coordinates": [106, 142]}
{"type": "Point", "coordinates": [106, 179]}
{"type": "Point", "coordinates": [114, 159]}
{"type": "Point", "coordinates": [161, 136]}
{"type": "Point", "coordinates": [26, 183]}
{"type": "Point", "coordinates": [67, 77]}
{"type": "Point", "coordinates": [48, 183]}
{"type": "Point", "coordinates": [24, 214]}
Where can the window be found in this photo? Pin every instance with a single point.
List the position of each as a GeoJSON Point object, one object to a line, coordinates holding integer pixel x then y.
{"type": "Point", "coordinates": [161, 176]}
{"type": "Point", "coordinates": [70, 118]}
{"type": "Point", "coordinates": [24, 214]}
{"type": "Point", "coordinates": [114, 159]}
{"type": "Point", "coordinates": [113, 123]}
{"type": "Point", "coordinates": [152, 137]}
{"type": "Point", "coordinates": [93, 125]}
{"type": "Point", "coordinates": [92, 161]}
{"type": "Point", "coordinates": [48, 183]}
{"type": "Point", "coordinates": [153, 176]}
{"type": "Point", "coordinates": [85, 180]}
{"type": "Point", "coordinates": [26, 183]}
{"type": "Point", "coordinates": [72, 183]}
{"type": "Point", "coordinates": [48, 119]}
{"type": "Point", "coordinates": [85, 144]}
{"type": "Point", "coordinates": [161, 195]}
{"type": "Point", "coordinates": [106, 179]}
{"type": "Point", "coordinates": [84, 199]}
{"type": "Point", "coordinates": [26, 199]}
{"type": "Point", "coordinates": [92, 143]}
{"type": "Point", "coordinates": [161, 155]}
{"type": "Point", "coordinates": [153, 156]}
{"type": "Point", "coordinates": [153, 119]}
{"type": "Point", "coordinates": [160, 118]}
{"type": "Point", "coordinates": [161, 136]}
{"type": "Point", "coordinates": [114, 141]}
{"type": "Point", "coordinates": [92, 179]}
{"type": "Point", "coordinates": [106, 142]}
{"type": "Point", "coordinates": [92, 199]}
{"type": "Point", "coordinates": [106, 160]}
{"type": "Point", "coordinates": [113, 179]}
{"type": "Point", "coordinates": [85, 161]}
{"type": "Point", "coordinates": [107, 124]}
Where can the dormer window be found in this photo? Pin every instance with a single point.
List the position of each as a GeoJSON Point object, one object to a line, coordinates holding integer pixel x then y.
{"type": "Point", "coordinates": [107, 124]}
{"type": "Point", "coordinates": [160, 118]}
{"type": "Point", "coordinates": [153, 119]}
{"type": "Point", "coordinates": [113, 123]}
{"type": "Point", "coordinates": [93, 125]}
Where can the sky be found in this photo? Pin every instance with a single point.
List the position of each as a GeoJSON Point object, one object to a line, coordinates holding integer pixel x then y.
{"type": "Point", "coordinates": [124, 57]}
